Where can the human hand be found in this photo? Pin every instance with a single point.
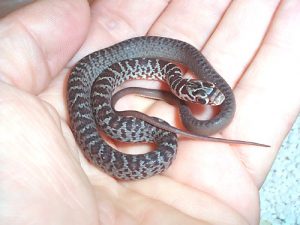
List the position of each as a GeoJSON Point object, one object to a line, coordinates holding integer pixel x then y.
{"type": "Point", "coordinates": [45, 178]}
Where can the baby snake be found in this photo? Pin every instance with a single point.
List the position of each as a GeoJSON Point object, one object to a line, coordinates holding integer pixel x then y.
{"type": "Point", "coordinates": [89, 94]}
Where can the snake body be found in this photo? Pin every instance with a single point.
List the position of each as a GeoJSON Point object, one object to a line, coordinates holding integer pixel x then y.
{"type": "Point", "coordinates": [114, 64]}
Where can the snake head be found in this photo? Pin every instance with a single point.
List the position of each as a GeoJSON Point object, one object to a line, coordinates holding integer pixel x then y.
{"type": "Point", "coordinates": [204, 92]}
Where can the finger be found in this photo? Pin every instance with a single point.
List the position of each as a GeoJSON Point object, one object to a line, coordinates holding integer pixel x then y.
{"type": "Point", "coordinates": [268, 94]}
{"type": "Point", "coordinates": [39, 39]}
{"type": "Point", "coordinates": [191, 21]}
{"type": "Point", "coordinates": [113, 22]}
{"type": "Point", "coordinates": [238, 36]}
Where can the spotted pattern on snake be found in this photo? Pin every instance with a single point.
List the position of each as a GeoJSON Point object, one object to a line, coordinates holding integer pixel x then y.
{"type": "Point", "coordinates": [82, 120]}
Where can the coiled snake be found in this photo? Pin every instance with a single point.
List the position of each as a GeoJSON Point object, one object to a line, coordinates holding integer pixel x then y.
{"type": "Point", "coordinates": [141, 58]}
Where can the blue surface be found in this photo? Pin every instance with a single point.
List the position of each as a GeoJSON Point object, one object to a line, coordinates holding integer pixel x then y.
{"type": "Point", "coordinates": [280, 194]}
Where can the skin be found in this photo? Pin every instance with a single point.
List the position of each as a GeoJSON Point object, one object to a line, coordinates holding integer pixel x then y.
{"type": "Point", "coordinates": [44, 177]}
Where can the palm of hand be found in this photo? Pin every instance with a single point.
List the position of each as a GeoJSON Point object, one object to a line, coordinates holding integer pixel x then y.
{"type": "Point", "coordinates": [210, 182]}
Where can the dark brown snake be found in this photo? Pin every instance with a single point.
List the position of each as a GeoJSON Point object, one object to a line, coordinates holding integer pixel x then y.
{"type": "Point", "coordinates": [89, 94]}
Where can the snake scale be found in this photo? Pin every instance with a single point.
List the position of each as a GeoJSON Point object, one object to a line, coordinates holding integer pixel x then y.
{"type": "Point", "coordinates": [89, 93]}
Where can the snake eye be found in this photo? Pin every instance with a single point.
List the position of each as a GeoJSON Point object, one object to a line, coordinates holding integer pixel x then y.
{"type": "Point", "coordinates": [200, 93]}
{"type": "Point", "coordinates": [199, 96]}
{"type": "Point", "coordinates": [203, 101]}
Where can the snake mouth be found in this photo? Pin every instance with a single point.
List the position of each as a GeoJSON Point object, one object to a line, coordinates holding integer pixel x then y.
{"type": "Point", "coordinates": [216, 98]}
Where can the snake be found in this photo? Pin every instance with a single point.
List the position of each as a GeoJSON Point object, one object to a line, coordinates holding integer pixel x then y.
{"type": "Point", "coordinates": [94, 79]}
